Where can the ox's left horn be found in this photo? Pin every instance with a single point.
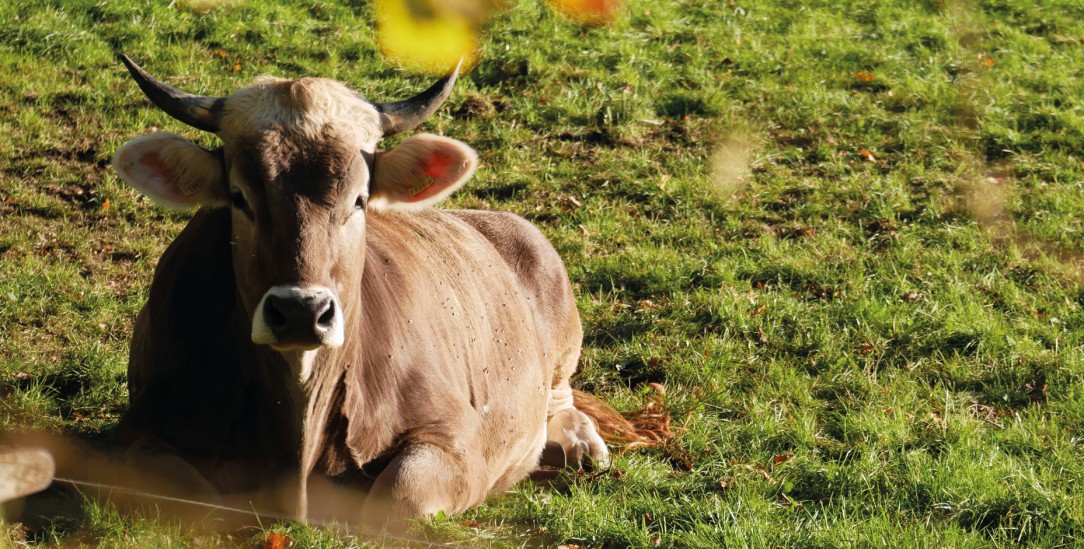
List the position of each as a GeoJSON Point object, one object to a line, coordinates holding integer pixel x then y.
{"type": "Point", "coordinates": [401, 116]}
{"type": "Point", "coordinates": [200, 112]}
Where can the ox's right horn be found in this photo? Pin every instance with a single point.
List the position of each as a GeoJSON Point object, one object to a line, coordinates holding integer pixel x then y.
{"type": "Point", "coordinates": [401, 116]}
{"type": "Point", "coordinates": [200, 112]}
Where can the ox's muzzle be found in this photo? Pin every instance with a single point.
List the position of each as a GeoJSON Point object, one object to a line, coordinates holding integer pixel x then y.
{"type": "Point", "coordinates": [298, 318]}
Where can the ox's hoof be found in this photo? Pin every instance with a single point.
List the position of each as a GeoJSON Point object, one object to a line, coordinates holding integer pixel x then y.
{"type": "Point", "coordinates": [573, 441]}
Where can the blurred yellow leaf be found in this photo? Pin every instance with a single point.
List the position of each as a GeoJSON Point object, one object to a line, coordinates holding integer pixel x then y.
{"type": "Point", "coordinates": [588, 12]}
{"type": "Point", "coordinates": [426, 35]}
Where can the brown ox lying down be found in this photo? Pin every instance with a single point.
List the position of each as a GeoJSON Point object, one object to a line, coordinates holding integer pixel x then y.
{"type": "Point", "coordinates": [317, 318]}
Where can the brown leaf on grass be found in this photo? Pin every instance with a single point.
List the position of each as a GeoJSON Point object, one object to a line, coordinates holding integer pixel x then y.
{"type": "Point", "coordinates": [276, 540]}
{"type": "Point", "coordinates": [570, 203]}
{"type": "Point", "coordinates": [781, 458]}
{"type": "Point", "coordinates": [758, 311]}
{"type": "Point", "coordinates": [106, 204]}
{"type": "Point", "coordinates": [764, 474]}
{"type": "Point", "coordinates": [864, 77]}
{"type": "Point", "coordinates": [763, 339]}
{"type": "Point", "coordinates": [588, 12]}
{"type": "Point", "coordinates": [867, 155]}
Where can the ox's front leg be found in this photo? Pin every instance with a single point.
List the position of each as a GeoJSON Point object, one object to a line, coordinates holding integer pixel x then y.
{"type": "Point", "coordinates": [151, 465]}
{"type": "Point", "coordinates": [422, 481]}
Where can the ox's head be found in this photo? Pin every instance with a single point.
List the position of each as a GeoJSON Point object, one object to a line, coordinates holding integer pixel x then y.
{"type": "Point", "coordinates": [299, 169]}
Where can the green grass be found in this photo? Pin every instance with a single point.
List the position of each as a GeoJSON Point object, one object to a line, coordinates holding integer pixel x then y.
{"type": "Point", "coordinates": [863, 295]}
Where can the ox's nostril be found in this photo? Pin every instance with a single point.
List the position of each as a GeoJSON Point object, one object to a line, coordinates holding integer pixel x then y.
{"type": "Point", "coordinates": [299, 317]}
{"type": "Point", "coordinates": [272, 314]}
{"type": "Point", "coordinates": [327, 318]}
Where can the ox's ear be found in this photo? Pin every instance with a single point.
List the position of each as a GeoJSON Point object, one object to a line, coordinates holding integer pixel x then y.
{"type": "Point", "coordinates": [172, 171]}
{"type": "Point", "coordinates": [421, 171]}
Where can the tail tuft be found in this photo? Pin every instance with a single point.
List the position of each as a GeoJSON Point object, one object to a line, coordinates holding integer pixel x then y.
{"type": "Point", "coordinates": [646, 428]}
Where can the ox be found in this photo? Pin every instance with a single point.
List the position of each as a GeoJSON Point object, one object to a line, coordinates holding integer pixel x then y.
{"type": "Point", "coordinates": [316, 318]}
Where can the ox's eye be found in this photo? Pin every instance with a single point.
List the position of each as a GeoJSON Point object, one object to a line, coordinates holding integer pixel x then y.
{"type": "Point", "coordinates": [237, 201]}
{"type": "Point", "coordinates": [361, 202]}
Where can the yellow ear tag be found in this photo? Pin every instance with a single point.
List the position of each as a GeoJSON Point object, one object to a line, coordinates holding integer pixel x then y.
{"type": "Point", "coordinates": [189, 190]}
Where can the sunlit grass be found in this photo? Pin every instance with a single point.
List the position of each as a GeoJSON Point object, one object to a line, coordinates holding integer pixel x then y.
{"type": "Point", "coordinates": [844, 236]}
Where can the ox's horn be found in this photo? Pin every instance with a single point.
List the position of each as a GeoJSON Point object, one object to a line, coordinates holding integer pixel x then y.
{"type": "Point", "coordinates": [198, 111]}
{"type": "Point", "coordinates": [401, 116]}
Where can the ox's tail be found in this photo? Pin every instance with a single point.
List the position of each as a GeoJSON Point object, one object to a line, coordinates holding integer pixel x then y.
{"type": "Point", "coordinates": [643, 429]}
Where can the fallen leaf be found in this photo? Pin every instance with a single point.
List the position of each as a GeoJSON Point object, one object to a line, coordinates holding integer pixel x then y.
{"type": "Point", "coordinates": [105, 204]}
{"type": "Point", "coordinates": [588, 12]}
{"type": "Point", "coordinates": [658, 388]}
{"type": "Point", "coordinates": [864, 76]}
{"type": "Point", "coordinates": [867, 155]}
{"type": "Point", "coordinates": [759, 471]}
{"type": "Point", "coordinates": [276, 540]}
{"type": "Point", "coordinates": [758, 311]}
{"type": "Point", "coordinates": [570, 203]}
{"type": "Point", "coordinates": [781, 458]}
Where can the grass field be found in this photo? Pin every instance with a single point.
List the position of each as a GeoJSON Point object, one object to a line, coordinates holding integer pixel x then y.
{"type": "Point", "coordinates": [844, 236]}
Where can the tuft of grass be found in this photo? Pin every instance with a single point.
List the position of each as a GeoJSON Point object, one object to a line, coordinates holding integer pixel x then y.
{"type": "Point", "coordinates": [844, 236]}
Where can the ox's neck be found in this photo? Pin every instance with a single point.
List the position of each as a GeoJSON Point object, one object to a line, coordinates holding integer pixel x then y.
{"type": "Point", "coordinates": [319, 379]}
